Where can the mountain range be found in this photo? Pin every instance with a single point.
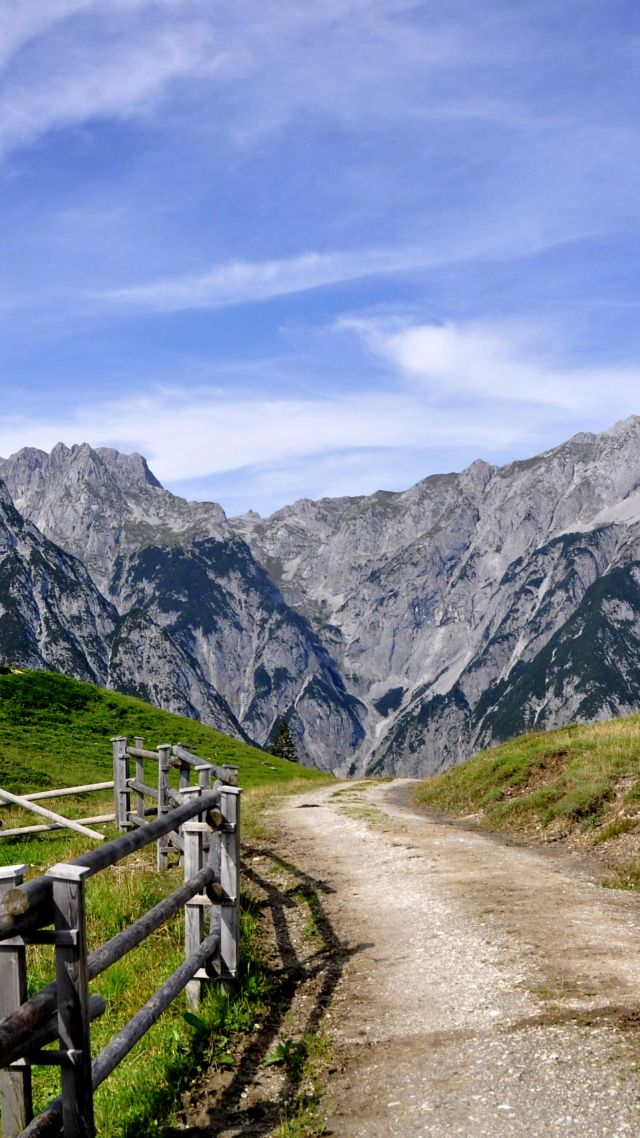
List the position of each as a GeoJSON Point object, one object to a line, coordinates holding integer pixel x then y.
{"type": "Point", "coordinates": [397, 632]}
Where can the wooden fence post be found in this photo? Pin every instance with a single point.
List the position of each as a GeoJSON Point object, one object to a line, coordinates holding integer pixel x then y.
{"type": "Point", "coordinates": [73, 999]}
{"type": "Point", "coordinates": [162, 847]}
{"type": "Point", "coordinates": [230, 882]}
{"type": "Point", "coordinates": [193, 836]}
{"type": "Point", "coordinates": [121, 792]}
{"type": "Point", "coordinates": [15, 1084]}
{"type": "Point", "coordinates": [203, 772]}
{"type": "Point", "coordinates": [213, 859]}
{"type": "Point", "coordinates": [185, 776]}
{"type": "Point", "coordinates": [139, 743]}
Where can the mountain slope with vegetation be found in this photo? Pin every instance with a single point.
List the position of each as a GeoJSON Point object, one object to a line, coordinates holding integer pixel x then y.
{"type": "Point", "coordinates": [56, 728]}
{"type": "Point", "coordinates": [196, 625]}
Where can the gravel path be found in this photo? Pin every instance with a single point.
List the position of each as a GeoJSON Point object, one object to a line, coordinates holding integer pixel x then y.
{"type": "Point", "coordinates": [491, 991]}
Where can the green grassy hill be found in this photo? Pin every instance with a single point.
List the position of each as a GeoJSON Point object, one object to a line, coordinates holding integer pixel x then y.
{"type": "Point", "coordinates": [55, 731]}
{"type": "Point", "coordinates": [579, 784]}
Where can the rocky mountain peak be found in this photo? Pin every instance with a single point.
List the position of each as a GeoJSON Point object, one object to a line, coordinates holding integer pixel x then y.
{"type": "Point", "coordinates": [129, 471]}
{"type": "Point", "coordinates": [10, 520]}
{"type": "Point", "coordinates": [98, 503]}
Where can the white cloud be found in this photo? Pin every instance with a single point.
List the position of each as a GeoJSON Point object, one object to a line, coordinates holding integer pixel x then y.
{"type": "Point", "coordinates": [239, 282]}
{"type": "Point", "coordinates": [496, 364]}
{"type": "Point", "coordinates": [449, 394]}
{"type": "Point", "coordinates": [191, 436]}
{"type": "Point", "coordinates": [24, 21]}
{"type": "Point", "coordinates": [414, 81]}
{"type": "Point", "coordinates": [268, 62]}
{"type": "Point", "coordinates": [27, 20]}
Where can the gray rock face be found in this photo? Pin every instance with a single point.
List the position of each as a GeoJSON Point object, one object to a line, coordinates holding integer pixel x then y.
{"type": "Point", "coordinates": [51, 613]}
{"type": "Point", "coordinates": [220, 608]}
{"type": "Point", "coordinates": [146, 662]}
{"type": "Point", "coordinates": [212, 636]}
{"type": "Point", "coordinates": [52, 616]}
{"type": "Point", "coordinates": [397, 631]}
{"type": "Point", "coordinates": [99, 503]}
{"type": "Point", "coordinates": [435, 597]}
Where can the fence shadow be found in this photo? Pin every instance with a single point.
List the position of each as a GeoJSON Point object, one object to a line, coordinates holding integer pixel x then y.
{"type": "Point", "coordinates": [325, 963]}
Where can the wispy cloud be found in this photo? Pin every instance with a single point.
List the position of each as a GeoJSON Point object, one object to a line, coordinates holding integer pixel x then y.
{"type": "Point", "coordinates": [186, 436]}
{"type": "Point", "coordinates": [27, 20]}
{"type": "Point", "coordinates": [466, 391]}
{"type": "Point", "coordinates": [241, 281]}
{"type": "Point", "coordinates": [450, 161]}
{"type": "Point", "coordinates": [74, 62]}
{"type": "Point", "coordinates": [434, 94]}
{"type": "Point", "coordinates": [267, 62]}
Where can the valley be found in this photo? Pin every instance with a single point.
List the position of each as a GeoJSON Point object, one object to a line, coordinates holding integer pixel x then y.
{"type": "Point", "coordinates": [419, 957]}
{"type": "Point", "coordinates": [396, 633]}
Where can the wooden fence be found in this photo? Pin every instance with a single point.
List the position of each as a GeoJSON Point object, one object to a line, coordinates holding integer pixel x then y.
{"type": "Point", "coordinates": [125, 786]}
{"type": "Point", "coordinates": [129, 787]}
{"type": "Point", "coordinates": [54, 821]}
{"type": "Point", "coordinates": [203, 822]}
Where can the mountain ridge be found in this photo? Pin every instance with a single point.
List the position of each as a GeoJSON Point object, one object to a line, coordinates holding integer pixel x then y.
{"type": "Point", "coordinates": [391, 629]}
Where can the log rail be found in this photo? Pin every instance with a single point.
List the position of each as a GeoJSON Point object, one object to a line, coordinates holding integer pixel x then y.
{"type": "Point", "coordinates": [206, 821]}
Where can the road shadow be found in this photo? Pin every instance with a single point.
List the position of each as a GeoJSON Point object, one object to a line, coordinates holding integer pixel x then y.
{"type": "Point", "coordinates": [251, 1100]}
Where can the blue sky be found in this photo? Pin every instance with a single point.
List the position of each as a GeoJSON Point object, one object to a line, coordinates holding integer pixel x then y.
{"type": "Point", "coordinates": [289, 250]}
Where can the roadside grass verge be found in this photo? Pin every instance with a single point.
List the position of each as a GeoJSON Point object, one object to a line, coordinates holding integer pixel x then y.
{"type": "Point", "coordinates": [304, 1118]}
{"type": "Point", "coordinates": [56, 732]}
{"type": "Point", "coordinates": [573, 779]}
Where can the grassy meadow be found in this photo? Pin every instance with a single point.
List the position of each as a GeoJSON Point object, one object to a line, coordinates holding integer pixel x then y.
{"type": "Point", "coordinates": [580, 783]}
{"type": "Point", "coordinates": [55, 732]}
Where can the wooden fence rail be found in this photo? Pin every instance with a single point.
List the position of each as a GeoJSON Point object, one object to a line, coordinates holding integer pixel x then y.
{"type": "Point", "coordinates": [55, 821]}
{"type": "Point", "coordinates": [209, 824]}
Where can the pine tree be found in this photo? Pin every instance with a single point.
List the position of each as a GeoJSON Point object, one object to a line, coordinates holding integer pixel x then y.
{"type": "Point", "coordinates": [282, 743]}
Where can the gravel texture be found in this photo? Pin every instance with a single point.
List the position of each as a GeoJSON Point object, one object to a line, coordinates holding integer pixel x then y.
{"type": "Point", "coordinates": [487, 989]}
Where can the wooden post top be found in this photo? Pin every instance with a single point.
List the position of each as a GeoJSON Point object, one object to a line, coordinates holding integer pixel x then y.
{"type": "Point", "coordinates": [66, 872]}
{"type": "Point", "coordinates": [12, 872]}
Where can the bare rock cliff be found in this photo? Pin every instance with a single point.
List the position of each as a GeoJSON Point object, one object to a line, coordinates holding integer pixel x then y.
{"type": "Point", "coordinates": [397, 631]}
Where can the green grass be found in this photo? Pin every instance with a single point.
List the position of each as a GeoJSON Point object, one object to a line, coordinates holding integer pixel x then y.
{"type": "Point", "coordinates": [304, 1116]}
{"type": "Point", "coordinates": [56, 732]}
{"type": "Point", "coordinates": [576, 777]}
{"type": "Point", "coordinates": [615, 828]}
{"type": "Point", "coordinates": [146, 1087]}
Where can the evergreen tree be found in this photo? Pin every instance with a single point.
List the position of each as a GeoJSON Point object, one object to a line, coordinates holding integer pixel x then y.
{"type": "Point", "coordinates": [282, 743]}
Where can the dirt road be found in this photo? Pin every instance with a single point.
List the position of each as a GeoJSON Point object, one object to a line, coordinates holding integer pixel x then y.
{"type": "Point", "coordinates": [484, 990]}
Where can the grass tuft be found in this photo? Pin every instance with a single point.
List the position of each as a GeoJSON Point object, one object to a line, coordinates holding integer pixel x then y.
{"type": "Point", "coordinates": [624, 876]}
